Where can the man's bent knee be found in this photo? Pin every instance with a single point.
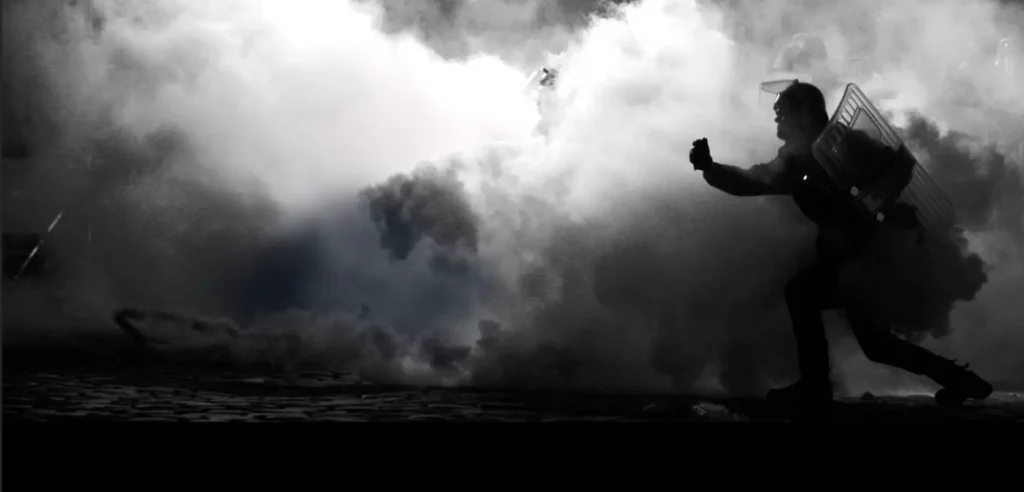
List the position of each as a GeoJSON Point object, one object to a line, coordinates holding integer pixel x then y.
{"type": "Point", "coordinates": [879, 343]}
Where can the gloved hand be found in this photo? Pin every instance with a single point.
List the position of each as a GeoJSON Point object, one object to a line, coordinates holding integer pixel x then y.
{"type": "Point", "coordinates": [700, 155]}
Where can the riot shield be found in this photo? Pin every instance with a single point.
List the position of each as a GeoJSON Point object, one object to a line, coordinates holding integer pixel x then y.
{"type": "Point", "coordinates": [877, 179]}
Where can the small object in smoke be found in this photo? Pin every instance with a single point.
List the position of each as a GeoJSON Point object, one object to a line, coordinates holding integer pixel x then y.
{"type": "Point", "coordinates": [16, 250]}
{"type": "Point", "coordinates": [124, 317]}
{"type": "Point", "coordinates": [713, 411]}
{"type": "Point", "coordinates": [548, 77]}
{"type": "Point", "coordinates": [653, 407]}
{"type": "Point", "coordinates": [38, 246]}
{"type": "Point", "coordinates": [867, 396]}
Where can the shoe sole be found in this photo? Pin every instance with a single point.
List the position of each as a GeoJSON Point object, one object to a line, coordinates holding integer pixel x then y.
{"type": "Point", "coordinates": [952, 398]}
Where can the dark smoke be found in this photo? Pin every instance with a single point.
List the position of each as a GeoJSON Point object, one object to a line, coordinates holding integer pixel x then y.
{"type": "Point", "coordinates": [446, 359]}
{"type": "Point", "coordinates": [912, 287]}
{"type": "Point", "coordinates": [617, 304]}
{"type": "Point", "coordinates": [143, 225]}
{"type": "Point", "coordinates": [427, 204]}
{"type": "Point", "coordinates": [986, 188]}
{"type": "Point", "coordinates": [156, 213]}
{"type": "Point", "coordinates": [915, 287]}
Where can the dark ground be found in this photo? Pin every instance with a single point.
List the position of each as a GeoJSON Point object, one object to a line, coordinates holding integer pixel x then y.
{"type": "Point", "coordinates": [52, 384]}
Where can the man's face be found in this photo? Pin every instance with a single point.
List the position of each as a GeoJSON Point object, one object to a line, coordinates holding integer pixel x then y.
{"type": "Point", "coordinates": [786, 128]}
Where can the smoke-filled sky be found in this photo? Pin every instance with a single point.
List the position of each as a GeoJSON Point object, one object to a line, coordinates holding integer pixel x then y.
{"type": "Point", "coordinates": [319, 157]}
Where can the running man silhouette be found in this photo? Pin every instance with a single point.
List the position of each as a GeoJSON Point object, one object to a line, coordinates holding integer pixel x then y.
{"type": "Point", "coordinates": [842, 233]}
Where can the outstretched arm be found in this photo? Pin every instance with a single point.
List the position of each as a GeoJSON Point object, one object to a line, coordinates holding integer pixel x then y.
{"type": "Point", "coordinates": [760, 179]}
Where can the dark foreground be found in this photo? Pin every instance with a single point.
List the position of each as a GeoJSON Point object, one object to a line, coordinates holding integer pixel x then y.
{"type": "Point", "coordinates": [161, 394]}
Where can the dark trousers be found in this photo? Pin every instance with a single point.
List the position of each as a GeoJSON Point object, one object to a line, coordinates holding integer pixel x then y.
{"type": "Point", "coordinates": [816, 289]}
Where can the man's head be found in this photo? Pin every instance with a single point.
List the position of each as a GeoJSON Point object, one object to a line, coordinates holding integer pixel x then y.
{"type": "Point", "coordinates": [800, 113]}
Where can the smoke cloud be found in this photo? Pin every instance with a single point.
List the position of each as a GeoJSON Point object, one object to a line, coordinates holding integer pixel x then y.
{"type": "Point", "coordinates": [428, 204]}
{"type": "Point", "coordinates": [357, 184]}
{"type": "Point", "coordinates": [986, 188]}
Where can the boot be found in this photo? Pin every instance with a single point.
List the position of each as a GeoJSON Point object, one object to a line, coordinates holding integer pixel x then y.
{"type": "Point", "coordinates": [959, 384]}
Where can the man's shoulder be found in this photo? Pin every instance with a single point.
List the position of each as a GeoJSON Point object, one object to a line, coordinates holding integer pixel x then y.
{"type": "Point", "coordinates": [795, 160]}
{"type": "Point", "coordinates": [799, 150]}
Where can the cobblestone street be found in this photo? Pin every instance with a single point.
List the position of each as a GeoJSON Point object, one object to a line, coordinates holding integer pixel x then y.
{"type": "Point", "coordinates": [169, 396]}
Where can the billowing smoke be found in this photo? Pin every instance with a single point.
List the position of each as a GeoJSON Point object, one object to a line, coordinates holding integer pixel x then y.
{"type": "Point", "coordinates": [523, 33]}
{"type": "Point", "coordinates": [261, 160]}
{"type": "Point", "coordinates": [986, 188]}
{"type": "Point", "coordinates": [427, 205]}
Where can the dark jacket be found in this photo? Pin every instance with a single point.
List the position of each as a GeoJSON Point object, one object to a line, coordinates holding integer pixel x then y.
{"type": "Point", "coordinates": [842, 230]}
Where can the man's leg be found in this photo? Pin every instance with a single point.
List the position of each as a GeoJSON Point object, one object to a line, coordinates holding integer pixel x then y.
{"type": "Point", "coordinates": [881, 345]}
{"type": "Point", "coordinates": [808, 293]}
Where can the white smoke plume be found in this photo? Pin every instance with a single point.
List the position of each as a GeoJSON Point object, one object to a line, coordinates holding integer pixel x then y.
{"type": "Point", "coordinates": [266, 156]}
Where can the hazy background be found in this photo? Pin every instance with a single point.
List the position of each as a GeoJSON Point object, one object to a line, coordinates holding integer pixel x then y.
{"type": "Point", "coordinates": [294, 163]}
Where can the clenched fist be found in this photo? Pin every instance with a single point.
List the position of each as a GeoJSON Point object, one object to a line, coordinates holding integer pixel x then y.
{"type": "Point", "coordinates": [700, 155]}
